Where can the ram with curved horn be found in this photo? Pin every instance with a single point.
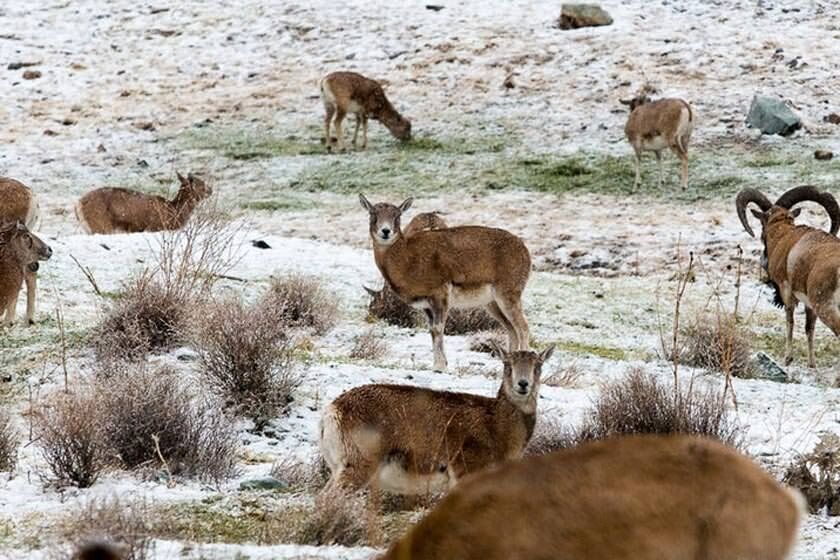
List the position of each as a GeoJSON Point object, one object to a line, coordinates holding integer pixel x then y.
{"type": "Point", "coordinates": [802, 262]}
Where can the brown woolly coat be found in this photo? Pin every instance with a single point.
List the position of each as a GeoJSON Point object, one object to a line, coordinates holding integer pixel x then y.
{"type": "Point", "coordinates": [632, 498]}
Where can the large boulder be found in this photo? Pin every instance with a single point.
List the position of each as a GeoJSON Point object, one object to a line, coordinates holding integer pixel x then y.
{"type": "Point", "coordinates": [772, 116]}
{"type": "Point", "coordinates": [573, 16]}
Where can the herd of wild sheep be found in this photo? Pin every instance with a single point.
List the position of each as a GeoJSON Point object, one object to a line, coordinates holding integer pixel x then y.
{"type": "Point", "coordinates": [640, 497]}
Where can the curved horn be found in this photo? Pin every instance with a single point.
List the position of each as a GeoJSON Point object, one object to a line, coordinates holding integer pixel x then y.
{"type": "Point", "coordinates": [813, 194]}
{"type": "Point", "coordinates": [743, 199]}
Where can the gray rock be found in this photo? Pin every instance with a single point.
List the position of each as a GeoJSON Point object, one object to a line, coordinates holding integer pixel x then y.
{"type": "Point", "coordinates": [823, 155]}
{"type": "Point", "coordinates": [771, 116]}
{"type": "Point", "coordinates": [768, 369]}
{"type": "Point", "coordinates": [574, 16]}
{"type": "Point", "coordinates": [267, 483]}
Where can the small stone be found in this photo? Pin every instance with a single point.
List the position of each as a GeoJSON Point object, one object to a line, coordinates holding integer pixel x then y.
{"type": "Point", "coordinates": [832, 118]}
{"type": "Point", "coordinates": [19, 65]}
{"type": "Point", "coordinates": [68, 122]}
{"type": "Point", "coordinates": [144, 125]}
{"type": "Point", "coordinates": [260, 244]}
{"type": "Point", "coordinates": [823, 155]}
{"type": "Point", "coordinates": [49, 132]}
{"type": "Point", "coordinates": [575, 16]}
{"type": "Point", "coordinates": [772, 116]}
{"type": "Point", "coordinates": [31, 74]}
{"type": "Point", "coordinates": [769, 369]}
{"type": "Point", "coordinates": [434, 7]}
{"type": "Point", "coordinates": [508, 83]}
{"type": "Point", "coordinates": [267, 483]}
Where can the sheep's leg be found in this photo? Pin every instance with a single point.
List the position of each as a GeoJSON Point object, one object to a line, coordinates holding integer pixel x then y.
{"type": "Point", "coordinates": [339, 131]}
{"type": "Point", "coordinates": [438, 311]}
{"type": "Point", "coordinates": [681, 153]}
{"type": "Point", "coordinates": [356, 131]}
{"type": "Point", "coordinates": [327, 118]}
{"type": "Point", "coordinates": [659, 167]}
{"type": "Point", "coordinates": [512, 308]}
{"type": "Point", "coordinates": [638, 162]}
{"type": "Point", "coordinates": [10, 310]}
{"type": "Point", "coordinates": [810, 324]}
{"type": "Point", "coordinates": [495, 312]}
{"type": "Point", "coordinates": [364, 132]}
{"type": "Point", "coordinates": [789, 309]}
{"type": "Point", "coordinates": [31, 281]}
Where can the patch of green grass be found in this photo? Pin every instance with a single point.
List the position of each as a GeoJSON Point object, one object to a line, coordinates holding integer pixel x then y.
{"type": "Point", "coordinates": [491, 143]}
{"type": "Point", "coordinates": [826, 347]}
{"type": "Point", "coordinates": [606, 352]}
{"type": "Point", "coordinates": [279, 204]}
{"type": "Point", "coordinates": [245, 145]}
{"type": "Point", "coordinates": [768, 160]}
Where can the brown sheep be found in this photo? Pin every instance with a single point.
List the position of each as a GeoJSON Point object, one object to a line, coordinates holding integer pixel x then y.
{"type": "Point", "coordinates": [116, 210]}
{"type": "Point", "coordinates": [19, 249]}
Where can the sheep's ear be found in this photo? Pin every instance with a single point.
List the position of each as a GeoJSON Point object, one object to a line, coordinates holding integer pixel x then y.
{"type": "Point", "coordinates": [795, 212]}
{"type": "Point", "coordinates": [406, 204]}
{"type": "Point", "coordinates": [626, 101]}
{"type": "Point", "coordinates": [365, 203]}
{"type": "Point", "coordinates": [762, 216]}
{"type": "Point", "coordinates": [499, 351]}
{"type": "Point", "coordinates": [546, 354]}
{"type": "Point", "coordinates": [371, 291]}
{"type": "Point", "coordinates": [181, 178]}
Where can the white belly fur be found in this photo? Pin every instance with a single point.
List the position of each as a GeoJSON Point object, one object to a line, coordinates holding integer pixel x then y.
{"type": "Point", "coordinates": [476, 297]}
{"type": "Point", "coordinates": [655, 144]}
{"type": "Point", "coordinates": [396, 480]}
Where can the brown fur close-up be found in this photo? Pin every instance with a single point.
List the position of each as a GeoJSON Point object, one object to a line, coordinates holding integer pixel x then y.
{"type": "Point", "coordinates": [464, 266]}
{"type": "Point", "coordinates": [656, 125]}
{"type": "Point", "coordinates": [19, 249]}
{"type": "Point", "coordinates": [116, 210]}
{"type": "Point", "coordinates": [631, 498]}
{"type": "Point", "coordinates": [802, 262]}
{"type": "Point", "coordinates": [411, 440]}
{"type": "Point", "coordinates": [97, 551]}
{"type": "Point", "coordinates": [349, 92]}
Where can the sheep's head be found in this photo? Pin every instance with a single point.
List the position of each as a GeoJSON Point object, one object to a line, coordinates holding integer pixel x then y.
{"type": "Point", "coordinates": [384, 219]}
{"type": "Point", "coordinates": [194, 186]}
{"type": "Point", "coordinates": [26, 247]}
{"type": "Point", "coordinates": [636, 101]}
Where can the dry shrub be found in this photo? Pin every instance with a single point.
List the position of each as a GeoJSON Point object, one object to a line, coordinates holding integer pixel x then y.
{"type": "Point", "coordinates": [386, 305]}
{"type": "Point", "coordinates": [147, 317]}
{"type": "Point", "coordinates": [150, 419]}
{"type": "Point", "coordinates": [9, 440]}
{"type": "Point", "coordinates": [369, 346]}
{"type": "Point", "coordinates": [70, 437]}
{"type": "Point", "coordinates": [337, 519]}
{"type": "Point", "coordinates": [717, 343]}
{"type": "Point", "coordinates": [567, 376]}
{"type": "Point", "coordinates": [125, 525]}
{"type": "Point", "coordinates": [483, 341]}
{"type": "Point", "coordinates": [247, 358]}
{"type": "Point", "coordinates": [309, 476]}
{"type": "Point", "coordinates": [301, 301]}
{"type": "Point", "coordinates": [151, 312]}
{"type": "Point", "coordinates": [549, 435]}
{"type": "Point", "coordinates": [817, 475]}
{"type": "Point", "coordinates": [641, 404]}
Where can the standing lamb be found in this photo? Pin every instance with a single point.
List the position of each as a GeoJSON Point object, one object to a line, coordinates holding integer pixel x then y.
{"type": "Point", "coordinates": [19, 204]}
{"type": "Point", "coordinates": [19, 248]}
{"type": "Point", "coordinates": [464, 266]}
{"type": "Point", "coordinates": [116, 210]}
{"type": "Point", "coordinates": [349, 92]}
{"type": "Point", "coordinates": [655, 125]}
{"type": "Point", "coordinates": [412, 440]}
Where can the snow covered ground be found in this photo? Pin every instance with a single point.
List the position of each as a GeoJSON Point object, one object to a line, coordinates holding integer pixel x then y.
{"type": "Point", "coordinates": [131, 92]}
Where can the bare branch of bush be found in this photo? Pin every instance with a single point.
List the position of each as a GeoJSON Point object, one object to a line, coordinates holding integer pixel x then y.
{"type": "Point", "coordinates": [336, 520]}
{"type": "Point", "coordinates": [549, 435]}
{"type": "Point", "coordinates": [125, 525]}
{"type": "Point", "coordinates": [718, 343]}
{"type": "Point", "coordinates": [566, 376]}
{"type": "Point", "coordinates": [247, 358]}
{"type": "Point", "coordinates": [369, 346]}
{"type": "Point", "coordinates": [9, 441]}
{"type": "Point", "coordinates": [817, 475]}
{"type": "Point", "coordinates": [301, 301]}
{"type": "Point", "coordinates": [150, 419]}
{"type": "Point", "coordinates": [309, 476]}
{"type": "Point", "coordinates": [483, 341]}
{"type": "Point", "coordinates": [639, 403]}
{"type": "Point", "coordinates": [70, 438]}
{"type": "Point", "coordinates": [151, 312]}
